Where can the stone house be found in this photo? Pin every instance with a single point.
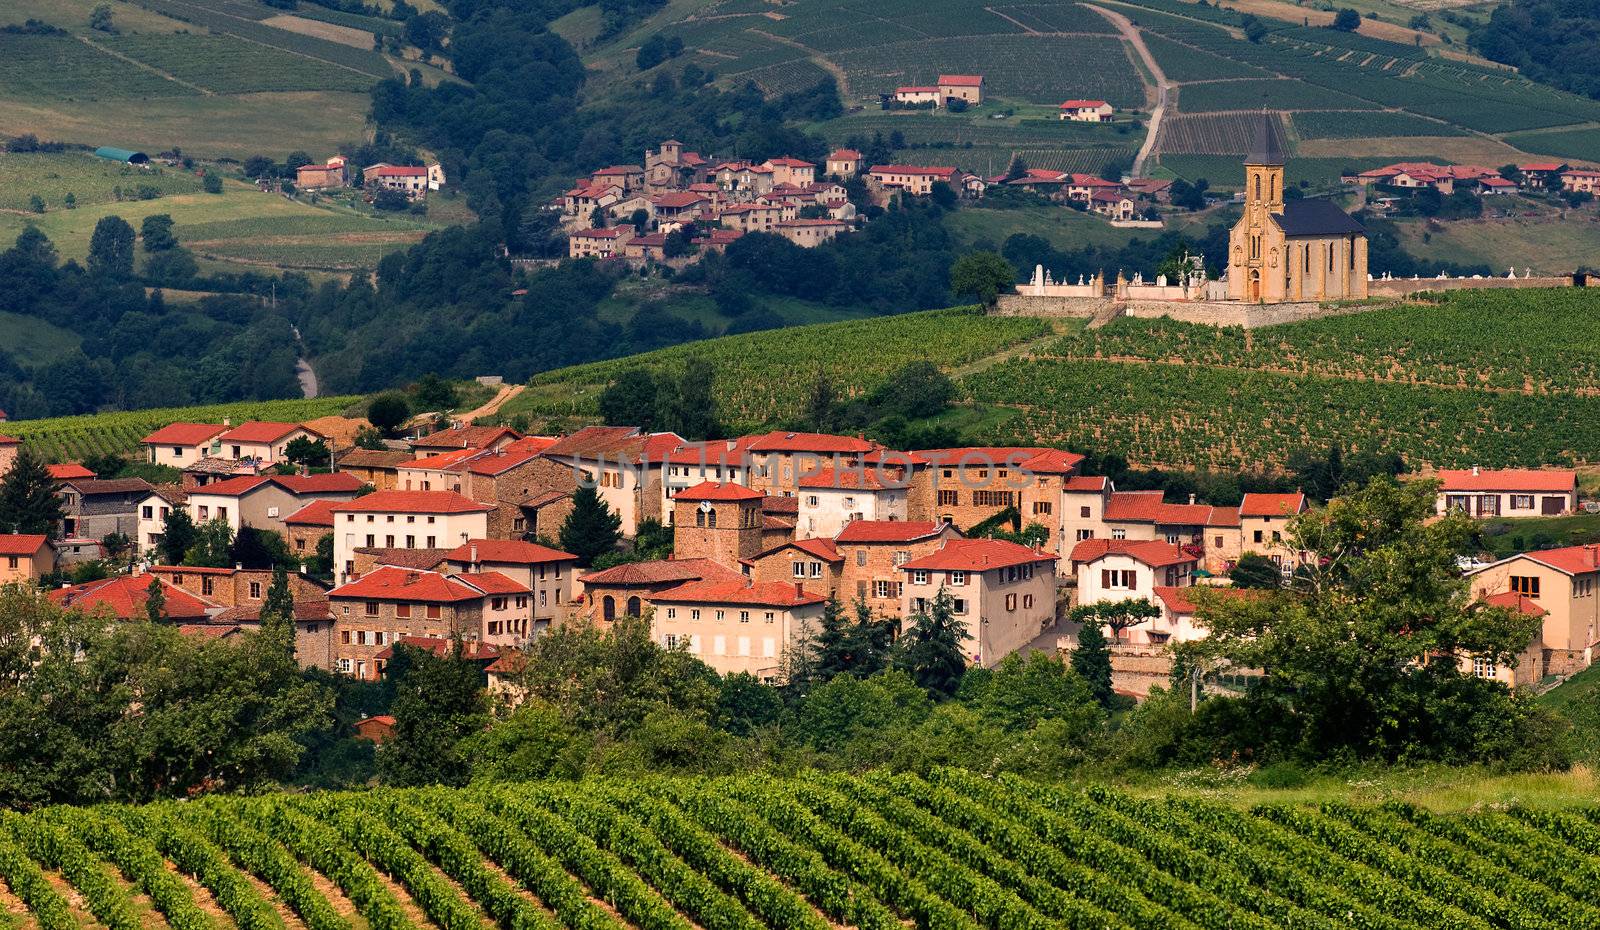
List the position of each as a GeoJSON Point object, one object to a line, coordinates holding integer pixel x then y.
{"type": "Point", "coordinates": [966, 87]}
{"type": "Point", "coordinates": [264, 501]}
{"type": "Point", "coordinates": [965, 486]}
{"type": "Point", "coordinates": [843, 163]}
{"type": "Point", "coordinates": [1264, 527]}
{"type": "Point", "coordinates": [627, 589]}
{"type": "Point", "coordinates": [1507, 492]}
{"type": "Point", "coordinates": [779, 460]}
{"type": "Point", "coordinates": [795, 171]}
{"type": "Point", "coordinates": [376, 467]}
{"type": "Point", "coordinates": [237, 586]}
{"type": "Point", "coordinates": [550, 575]}
{"type": "Point", "coordinates": [8, 452]}
{"type": "Point", "coordinates": [94, 509]}
{"type": "Point", "coordinates": [182, 444]}
{"type": "Point", "coordinates": [736, 626]}
{"type": "Point", "coordinates": [377, 610]}
{"type": "Point", "coordinates": [831, 498]}
{"type": "Point", "coordinates": [606, 242]}
{"type": "Point", "coordinates": [304, 528]}
{"type": "Point", "coordinates": [810, 233]}
{"type": "Point", "coordinates": [625, 466]}
{"type": "Point", "coordinates": [721, 522]}
{"type": "Point", "coordinates": [912, 179]}
{"type": "Point", "coordinates": [1003, 593]}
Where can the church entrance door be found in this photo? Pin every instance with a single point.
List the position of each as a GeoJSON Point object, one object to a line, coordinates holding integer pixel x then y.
{"type": "Point", "coordinates": [1255, 286]}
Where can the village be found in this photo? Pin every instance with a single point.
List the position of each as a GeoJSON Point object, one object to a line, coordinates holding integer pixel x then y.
{"type": "Point", "coordinates": [450, 535]}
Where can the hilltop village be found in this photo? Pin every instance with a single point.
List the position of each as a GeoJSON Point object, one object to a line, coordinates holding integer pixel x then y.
{"type": "Point", "coordinates": [732, 548]}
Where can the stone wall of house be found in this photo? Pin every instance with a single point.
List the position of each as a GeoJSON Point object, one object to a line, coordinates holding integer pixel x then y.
{"type": "Point", "coordinates": [1401, 287]}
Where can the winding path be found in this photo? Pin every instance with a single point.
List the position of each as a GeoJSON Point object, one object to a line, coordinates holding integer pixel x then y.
{"type": "Point", "coordinates": [506, 392]}
{"type": "Point", "coordinates": [1163, 86]}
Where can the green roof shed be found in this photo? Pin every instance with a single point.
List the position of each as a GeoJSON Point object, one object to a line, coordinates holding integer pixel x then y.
{"type": "Point", "coordinates": [122, 155]}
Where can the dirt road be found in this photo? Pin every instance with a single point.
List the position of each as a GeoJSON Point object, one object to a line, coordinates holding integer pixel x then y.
{"type": "Point", "coordinates": [1163, 86]}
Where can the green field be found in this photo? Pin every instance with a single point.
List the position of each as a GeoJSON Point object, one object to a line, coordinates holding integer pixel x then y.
{"type": "Point", "coordinates": [1508, 537]}
{"type": "Point", "coordinates": [1063, 228]}
{"type": "Point", "coordinates": [1489, 377]}
{"type": "Point", "coordinates": [1540, 241]}
{"type": "Point", "coordinates": [1227, 171]}
{"type": "Point", "coordinates": [71, 439]}
{"type": "Point", "coordinates": [34, 341]}
{"type": "Point", "coordinates": [88, 179]}
{"type": "Point", "coordinates": [226, 65]}
{"type": "Point", "coordinates": [241, 226]}
{"type": "Point", "coordinates": [1344, 125]}
{"type": "Point", "coordinates": [953, 851]}
{"type": "Point", "coordinates": [1582, 144]}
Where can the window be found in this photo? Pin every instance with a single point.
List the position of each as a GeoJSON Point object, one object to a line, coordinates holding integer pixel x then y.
{"type": "Point", "coordinates": [770, 616]}
{"type": "Point", "coordinates": [300, 544]}
{"type": "Point", "coordinates": [811, 500]}
{"type": "Point", "coordinates": [1119, 533]}
{"type": "Point", "coordinates": [1218, 541]}
{"type": "Point", "coordinates": [1257, 536]}
{"type": "Point", "coordinates": [991, 498]}
{"type": "Point", "coordinates": [1483, 668]}
{"type": "Point", "coordinates": [901, 557]}
{"type": "Point", "coordinates": [744, 616]}
{"type": "Point", "coordinates": [522, 601]}
{"type": "Point", "coordinates": [205, 511]}
{"type": "Point", "coordinates": [207, 585]}
{"type": "Point", "coordinates": [1011, 602]}
{"type": "Point", "coordinates": [1041, 507]}
{"type": "Point", "coordinates": [1518, 502]}
{"type": "Point", "coordinates": [431, 612]}
{"type": "Point", "coordinates": [344, 637]}
{"type": "Point", "coordinates": [799, 569]}
{"type": "Point", "coordinates": [1027, 601]}
{"type": "Point", "coordinates": [411, 542]}
{"type": "Point", "coordinates": [721, 615]}
{"type": "Point", "coordinates": [372, 608]}
{"type": "Point", "coordinates": [958, 579]}
{"type": "Point", "coordinates": [1525, 584]}
{"type": "Point", "coordinates": [149, 512]}
{"type": "Point", "coordinates": [920, 576]}
{"type": "Point", "coordinates": [670, 640]}
{"type": "Point", "coordinates": [371, 541]}
{"type": "Point", "coordinates": [11, 561]}
{"type": "Point", "coordinates": [816, 569]}
{"type": "Point", "coordinates": [497, 603]}
{"type": "Point", "coordinates": [388, 542]}
{"type": "Point", "coordinates": [1085, 534]}
{"type": "Point", "coordinates": [1277, 536]}
{"type": "Point", "coordinates": [430, 544]}
{"type": "Point", "coordinates": [694, 613]}
{"type": "Point", "coordinates": [672, 613]}
{"type": "Point", "coordinates": [1083, 513]}
{"type": "Point", "coordinates": [882, 589]}
{"type": "Point", "coordinates": [1117, 579]}
{"type": "Point", "coordinates": [1172, 539]}
{"type": "Point", "coordinates": [255, 590]}
{"type": "Point", "coordinates": [402, 611]}
{"type": "Point", "coordinates": [959, 605]}
{"type": "Point", "coordinates": [1582, 587]}
{"type": "Point", "coordinates": [949, 499]}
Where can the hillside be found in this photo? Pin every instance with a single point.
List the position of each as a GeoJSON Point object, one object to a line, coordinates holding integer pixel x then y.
{"type": "Point", "coordinates": [1490, 378]}
{"type": "Point", "coordinates": [882, 852]}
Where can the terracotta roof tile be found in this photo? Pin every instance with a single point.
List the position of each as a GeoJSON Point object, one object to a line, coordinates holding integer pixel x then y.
{"type": "Point", "coordinates": [507, 550]}
{"type": "Point", "coordinates": [21, 543]}
{"type": "Point", "coordinates": [125, 595]}
{"type": "Point", "coordinates": [1573, 560]}
{"type": "Point", "coordinates": [67, 470]}
{"type": "Point", "coordinates": [976, 555]}
{"type": "Point", "coordinates": [662, 571]}
{"type": "Point", "coordinates": [466, 437]}
{"type": "Point", "coordinates": [1272, 505]}
{"type": "Point", "coordinates": [316, 513]}
{"type": "Point", "coordinates": [889, 531]}
{"type": "Point", "coordinates": [398, 584]}
{"type": "Point", "coordinates": [1153, 552]}
{"type": "Point", "coordinates": [185, 434]}
{"type": "Point", "coordinates": [423, 559]}
{"type": "Point", "coordinates": [1521, 603]}
{"type": "Point", "coordinates": [412, 502]}
{"type": "Point", "coordinates": [259, 431]}
{"type": "Point", "coordinates": [1508, 479]}
{"type": "Point", "coordinates": [852, 479]}
{"type": "Point", "coordinates": [718, 491]}
{"type": "Point", "coordinates": [758, 594]}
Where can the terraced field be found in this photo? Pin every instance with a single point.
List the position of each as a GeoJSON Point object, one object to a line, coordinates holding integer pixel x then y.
{"type": "Point", "coordinates": [954, 851]}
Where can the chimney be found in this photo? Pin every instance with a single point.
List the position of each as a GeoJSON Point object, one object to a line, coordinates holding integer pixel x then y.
{"type": "Point", "coordinates": [238, 566]}
{"type": "Point", "coordinates": [1191, 500]}
{"type": "Point", "coordinates": [1474, 471]}
{"type": "Point", "coordinates": [411, 577]}
{"type": "Point", "coordinates": [799, 589]}
{"type": "Point", "coordinates": [472, 556]}
{"type": "Point", "coordinates": [227, 421]}
{"type": "Point", "coordinates": [302, 568]}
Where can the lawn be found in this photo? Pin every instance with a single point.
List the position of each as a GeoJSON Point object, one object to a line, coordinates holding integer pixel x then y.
{"type": "Point", "coordinates": [1064, 227]}
{"type": "Point", "coordinates": [1543, 242]}
{"type": "Point", "coordinates": [90, 180]}
{"type": "Point", "coordinates": [34, 341]}
{"type": "Point", "coordinates": [1508, 537]}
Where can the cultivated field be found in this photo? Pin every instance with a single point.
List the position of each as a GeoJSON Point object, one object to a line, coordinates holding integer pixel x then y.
{"type": "Point", "coordinates": [88, 179]}
{"type": "Point", "coordinates": [953, 851]}
{"type": "Point", "coordinates": [70, 439]}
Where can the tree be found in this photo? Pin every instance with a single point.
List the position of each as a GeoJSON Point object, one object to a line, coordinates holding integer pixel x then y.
{"type": "Point", "coordinates": [28, 501]}
{"type": "Point", "coordinates": [303, 451]}
{"type": "Point", "coordinates": [1256, 571]}
{"type": "Point", "coordinates": [178, 536]}
{"type": "Point", "coordinates": [1120, 615]}
{"type": "Point", "coordinates": [981, 276]}
{"type": "Point", "coordinates": [156, 233]}
{"type": "Point", "coordinates": [390, 200]}
{"type": "Point", "coordinates": [155, 601]}
{"type": "Point", "coordinates": [591, 529]}
{"type": "Point", "coordinates": [687, 404]}
{"type": "Point", "coordinates": [1362, 655]}
{"type": "Point", "coordinates": [1347, 20]}
{"type": "Point", "coordinates": [211, 183]}
{"type": "Point", "coordinates": [36, 203]}
{"type": "Point", "coordinates": [70, 201]}
{"type": "Point", "coordinates": [213, 545]}
{"type": "Point", "coordinates": [1092, 659]}
{"type": "Point", "coordinates": [277, 615]}
{"type": "Point", "coordinates": [259, 166]}
{"type": "Point", "coordinates": [100, 18]}
{"type": "Point", "coordinates": [631, 400]}
{"type": "Point", "coordinates": [1018, 168]}
{"type": "Point", "coordinates": [930, 651]}
{"type": "Point", "coordinates": [434, 393]}
{"type": "Point", "coordinates": [1254, 29]}
{"type": "Point", "coordinates": [111, 248]}
{"type": "Point", "coordinates": [388, 412]}
{"type": "Point", "coordinates": [915, 390]}
{"type": "Point", "coordinates": [438, 702]}
{"type": "Point", "coordinates": [820, 404]}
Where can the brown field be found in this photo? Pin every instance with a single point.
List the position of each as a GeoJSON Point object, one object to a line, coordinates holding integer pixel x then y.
{"type": "Point", "coordinates": [239, 126]}
{"type": "Point", "coordinates": [74, 14]}
{"type": "Point", "coordinates": [333, 32]}
{"type": "Point", "coordinates": [1459, 149]}
{"type": "Point", "coordinates": [1294, 14]}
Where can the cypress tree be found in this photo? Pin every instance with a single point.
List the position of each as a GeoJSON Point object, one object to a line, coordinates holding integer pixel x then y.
{"type": "Point", "coordinates": [277, 614]}
{"type": "Point", "coordinates": [591, 529]}
{"type": "Point", "coordinates": [155, 601]}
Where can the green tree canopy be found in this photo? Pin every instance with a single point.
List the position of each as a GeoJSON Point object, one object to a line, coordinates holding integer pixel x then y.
{"type": "Point", "coordinates": [28, 501]}
{"type": "Point", "coordinates": [631, 400]}
{"type": "Point", "coordinates": [982, 277]}
{"type": "Point", "coordinates": [591, 529]}
{"type": "Point", "coordinates": [156, 233]}
{"type": "Point", "coordinates": [438, 702]}
{"type": "Point", "coordinates": [930, 650]}
{"type": "Point", "coordinates": [111, 248]}
{"type": "Point", "coordinates": [388, 412]}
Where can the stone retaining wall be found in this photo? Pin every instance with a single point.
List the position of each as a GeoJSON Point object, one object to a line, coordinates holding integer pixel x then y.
{"type": "Point", "coordinates": [1401, 287]}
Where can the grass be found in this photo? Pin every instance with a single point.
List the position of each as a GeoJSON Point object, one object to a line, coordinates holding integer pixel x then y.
{"type": "Point", "coordinates": [1064, 227]}
{"type": "Point", "coordinates": [90, 180]}
{"type": "Point", "coordinates": [227, 65]}
{"type": "Point", "coordinates": [1440, 789]}
{"type": "Point", "coordinates": [1508, 537]}
{"type": "Point", "coordinates": [34, 341]}
{"type": "Point", "coordinates": [1540, 242]}
{"type": "Point", "coordinates": [1578, 699]}
{"type": "Point", "coordinates": [1583, 144]}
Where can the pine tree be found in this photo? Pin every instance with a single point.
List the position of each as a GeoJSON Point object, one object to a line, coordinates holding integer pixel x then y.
{"type": "Point", "coordinates": [155, 601]}
{"type": "Point", "coordinates": [178, 533]}
{"type": "Point", "coordinates": [277, 614]}
{"type": "Point", "coordinates": [833, 643]}
{"type": "Point", "coordinates": [930, 651]}
{"type": "Point", "coordinates": [819, 406]}
{"type": "Point", "coordinates": [591, 529]}
{"type": "Point", "coordinates": [1092, 659]}
{"type": "Point", "coordinates": [28, 502]}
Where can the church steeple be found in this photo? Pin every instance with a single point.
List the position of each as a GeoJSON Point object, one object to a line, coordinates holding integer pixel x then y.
{"type": "Point", "coordinates": [1263, 171]}
{"type": "Point", "coordinates": [1266, 149]}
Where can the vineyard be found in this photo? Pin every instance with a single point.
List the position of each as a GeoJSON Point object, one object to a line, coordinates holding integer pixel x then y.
{"type": "Point", "coordinates": [226, 65]}
{"type": "Point", "coordinates": [68, 439]}
{"type": "Point", "coordinates": [61, 68]}
{"type": "Point", "coordinates": [1367, 125]}
{"type": "Point", "coordinates": [1231, 133]}
{"type": "Point", "coordinates": [953, 851]}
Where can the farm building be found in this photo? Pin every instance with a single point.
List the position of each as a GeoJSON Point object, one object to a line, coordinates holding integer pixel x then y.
{"type": "Point", "coordinates": [1087, 111]}
{"type": "Point", "coordinates": [126, 156]}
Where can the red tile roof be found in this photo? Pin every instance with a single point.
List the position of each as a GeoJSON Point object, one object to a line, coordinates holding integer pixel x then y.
{"type": "Point", "coordinates": [531, 444]}
{"type": "Point", "coordinates": [781, 441]}
{"type": "Point", "coordinates": [442, 460]}
{"type": "Point", "coordinates": [936, 171]}
{"type": "Point", "coordinates": [852, 479]}
{"type": "Point", "coordinates": [889, 531]}
{"type": "Point", "coordinates": [316, 513]}
{"type": "Point", "coordinates": [917, 89]}
{"type": "Point", "coordinates": [616, 444]}
{"type": "Point", "coordinates": [389, 583]}
{"type": "Point", "coordinates": [412, 502]}
{"type": "Point", "coordinates": [1272, 505]}
{"type": "Point", "coordinates": [1573, 560]}
{"type": "Point", "coordinates": [493, 583]}
{"type": "Point", "coordinates": [500, 461]}
{"type": "Point", "coordinates": [823, 549]}
{"type": "Point", "coordinates": [718, 491]}
{"type": "Point", "coordinates": [209, 630]}
{"type": "Point", "coordinates": [787, 162]}
{"type": "Point", "coordinates": [1086, 483]}
{"type": "Point", "coordinates": [68, 470]}
{"type": "Point", "coordinates": [976, 555]}
{"type": "Point", "coordinates": [1181, 600]}
{"type": "Point", "coordinates": [662, 571]}
{"type": "Point", "coordinates": [22, 543]}
{"type": "Point", "coordinates": [414, 559]}
{"type": "Point", "coordinates": [185, 434]}
{"type": "Point", "coordinates": [125, 595]}
{"type": "Point", "coordinates": [619, 169]}
{"type": "Point", "coordinates": [1508, 479]}
{"type": "Point", "coordinates": [758, 594]}
{"type": "Point", "coordinates": [9, 441]}
{"type": "Point", "coordinates": [260, 431]}
{"type": "Point", "coordinates": [677, 200]}
{"type": "Point", "coordinates": [844, 155]}
{"type": "Point", "coordinates": [1037, 459]}
{"type": "Point", "coordinates": [330, 483]}
{"type": "Point", "coordinates": [1080, 104]}
{"type": "Point", "coordinates": [962, 80]}
{"type": "Point", "coordinates": [1521, 603]}
{"type": "Point", "coordinates": [1152, 552]}
{"type": "Point", "coordinates": [400, 171]}
{"type": "Point", "coordinates": [1541, 166]}
{"type": "Point", "coordinates": [507, 550]}
{"type": "Point", "coordinates": [465, 437]}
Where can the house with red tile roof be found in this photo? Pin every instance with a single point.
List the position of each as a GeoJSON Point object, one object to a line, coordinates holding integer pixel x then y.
{"type": "Point", "coordinates": [1560, 586]}
{"type": "Point", "coordinates": [671, 166]}
{"type": "Point", "coordinates": [1087, 111]}
{"type": "Point", "coordinates": [970, 484]}
{"type": "Point", "coordinates": [262, 442]}
{"type": "Point", "coordinates": [966, 87]}
{"type": "Point", "coordinates": [843, 163]}
{"type": "Point", "coordinates": [736, 626]}
{"type": "Point", "coordinates": [861, 563]}
{"type": "Point", "coordinates": [1111, 570]}
{"type": "Point", "coordinates": [778, 460]}
{"type": "Point", "coordinates": [720, 521]}
{"type": "Point", "coordinates": [624, 464]}
{"type": "Point", "coordinates": [304, 528]}
{"type": "Point", "coordinates": [1580, 181]}
{"type": "Point", "coordinates": [628, 589]}
{"type": "Point", "coordinates": [1540, 175]}
{"type": "Point", "coordinates": [1179, 622]}
{"type": "Point", "coordinates": [25, 557]}
{"type": "Point", "coordinates": [810, 233]}
{"type": "Point", "coordinates": [376, 610]}
{"type": "Point", "coordinates": [1003, 593]}
{"type": "Point", "coordinates": [550, 575]}
{"type": "Point", "coordinates": [603, 242]}
{"type": "Point", "coordinates": [464, 436]}
{"type": "Point", "coordinates": [66, 470]}
{"type": "Point", "coordinates": [579, 203]}
{"type": "Point", "coordinates": [404, 520]}
{"type": "Point", "coordinates": [123, 597]}
{"type": "Point", "coordinates": [917, 180]}
{"type": "Point", "coordinates": [182, 444]}
{"type": "Point", "coordinates": [833, 497]}
{"type": "Point", "coordinates": [412, 180]}
{"type": "Point", "coordinates": [265, 501]}
{"type": "Point", "coordinates": [1507, 492]}
{"type": "Point", "coordinates": [796, 171]}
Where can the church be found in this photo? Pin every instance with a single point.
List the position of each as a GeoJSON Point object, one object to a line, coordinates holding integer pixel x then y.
{"type": "Point", "coordinates": [1291, 250]}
